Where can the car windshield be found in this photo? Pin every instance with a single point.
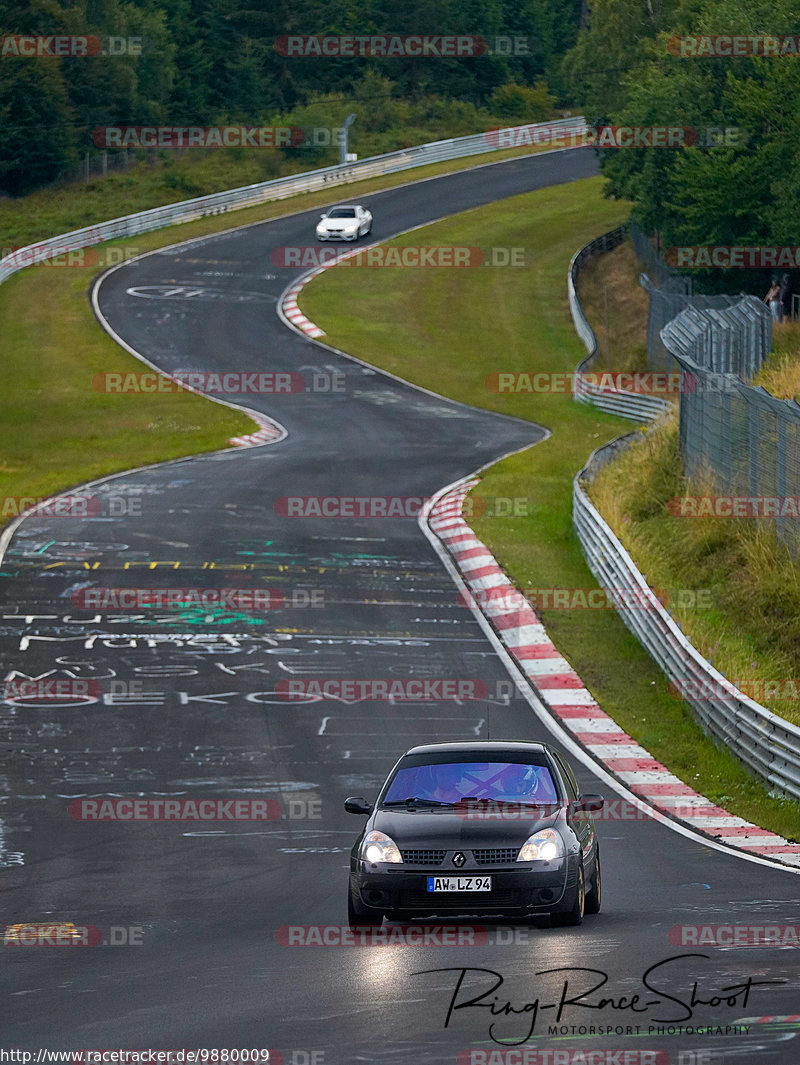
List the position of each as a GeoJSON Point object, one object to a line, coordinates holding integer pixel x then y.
{"type": "Point", "coordinates": [342, 212]}
{"type": "Point", "coordinates": [451, 782]}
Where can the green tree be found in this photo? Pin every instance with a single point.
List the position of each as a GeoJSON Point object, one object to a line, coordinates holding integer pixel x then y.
{"type": "Point", "coordinates": [522, 102]}
{"type": "Point", "coordinates": [38, 134]}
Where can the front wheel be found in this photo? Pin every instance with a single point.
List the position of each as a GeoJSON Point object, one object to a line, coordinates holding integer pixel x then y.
{"type": "Point", "coordinates": [358, 918]}
{"type": "Point", "coordinates": [594, 896]}
{"type": "Point", "coordinates": [573, 916]}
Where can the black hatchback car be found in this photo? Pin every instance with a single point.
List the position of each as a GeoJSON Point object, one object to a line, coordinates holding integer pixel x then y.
{"type": "Point", "coordinates": [470, 829]}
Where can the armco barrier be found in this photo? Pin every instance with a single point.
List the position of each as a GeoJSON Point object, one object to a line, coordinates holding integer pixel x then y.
{"type": "Point", "coordinates": [281, 188]}
{"type": "Point", "coordinates": [766, 743]}
{"type": "Point", "coordinates": [612, 400]}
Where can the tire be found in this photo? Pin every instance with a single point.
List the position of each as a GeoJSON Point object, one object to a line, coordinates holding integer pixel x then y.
{"type": "Point", "coordinates": [595, 893]}
{"type": "Point", "coordinates": [573, 916]}
{"type": "Point", "coordinates": [358, 918]}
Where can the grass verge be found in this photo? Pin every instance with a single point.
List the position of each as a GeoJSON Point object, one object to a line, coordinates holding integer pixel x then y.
{"type": "Point", "coordinates": [732, 587]}
{"type": "Point", "coordinates": [449, 330]}
{"type": "Point", "coordinates": [55, 431]}
{"type": "Point", "coordinates": [616, 305]}
{"type": "Point", "coordinates": [780, 374]}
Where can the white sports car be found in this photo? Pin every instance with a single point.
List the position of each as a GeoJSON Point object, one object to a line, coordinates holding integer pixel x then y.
{"type": "Point", "coordinates": [348, 222]}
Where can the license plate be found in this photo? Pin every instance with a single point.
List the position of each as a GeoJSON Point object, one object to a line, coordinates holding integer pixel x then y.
{"type": "Point", "coordinates": [459, 883]}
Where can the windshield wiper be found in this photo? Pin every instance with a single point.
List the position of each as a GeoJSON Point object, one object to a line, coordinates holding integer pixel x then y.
{"type": "Point", "coordinates": [510, 802]}
{"type": "Point", "coordinates": [414, 800]}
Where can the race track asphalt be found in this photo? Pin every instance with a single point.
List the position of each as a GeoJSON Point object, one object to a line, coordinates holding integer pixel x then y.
{"type": "Point", "coordinates": [190, 703]}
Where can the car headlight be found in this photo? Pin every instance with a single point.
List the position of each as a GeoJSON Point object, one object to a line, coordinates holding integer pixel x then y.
{"type": "Point", "coordinates": [543, 846]}
{"type": "Point", "coordinates": [378, 847]}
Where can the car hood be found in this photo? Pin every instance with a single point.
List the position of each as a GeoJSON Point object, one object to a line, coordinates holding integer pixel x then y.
{"type": "Point", "coordinates": [337, 223]}
{"type": "Point", "coordinates": [448, 829]}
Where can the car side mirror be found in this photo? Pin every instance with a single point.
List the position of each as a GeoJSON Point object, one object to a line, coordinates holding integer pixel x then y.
{"type": "Point", "coordinates": [590, 803]}
{"type": "Point", "coordinates": [323, 216]}
{"type": "Point", "coordinates": [357, 804]}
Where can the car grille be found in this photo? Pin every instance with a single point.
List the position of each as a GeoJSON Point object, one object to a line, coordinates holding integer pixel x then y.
{"type": "Point", "coordinates": [423, 857]}
{"type": "Point", "coordinates": [498, 856]}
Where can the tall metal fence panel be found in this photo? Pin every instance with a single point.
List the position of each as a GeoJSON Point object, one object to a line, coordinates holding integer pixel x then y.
{"type": "Point", "coordinates": [653, 263]}
{"type": "Point", "coordinates": [281, 188]}
{"type": "Point", "coordinates": [730, 349]}
{"type": "Point", "coordinates": [666, 301]}
{"type": "Point", "coordinates": [734, 436]}
{"type": "Point", "coordinates": [740, 329]}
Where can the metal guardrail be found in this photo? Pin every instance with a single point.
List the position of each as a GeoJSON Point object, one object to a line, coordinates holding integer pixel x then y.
{"type": "Point", "coordinates": [630, 405]}
{"type": "Point", "coordinates": [768, 744]}
{"type": "Point", "coordinates": [281, 188]}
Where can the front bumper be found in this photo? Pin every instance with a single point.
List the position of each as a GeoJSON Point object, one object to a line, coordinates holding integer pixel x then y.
{"type": "Point", "coordinates": [516, 890]}
{"type": "Point", "coordinates": [338, 236]}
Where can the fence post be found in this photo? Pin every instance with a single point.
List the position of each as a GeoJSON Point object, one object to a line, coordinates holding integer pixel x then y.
{"type": "Point", "coordinates": [753, 448]}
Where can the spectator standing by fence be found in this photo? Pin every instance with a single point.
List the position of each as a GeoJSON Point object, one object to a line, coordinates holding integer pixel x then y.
{"type": "Point", "coordinates": [773, 298]}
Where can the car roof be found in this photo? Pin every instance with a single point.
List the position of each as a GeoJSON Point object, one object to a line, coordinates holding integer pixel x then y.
{"type": "Point", "coordinates": [473, 746]}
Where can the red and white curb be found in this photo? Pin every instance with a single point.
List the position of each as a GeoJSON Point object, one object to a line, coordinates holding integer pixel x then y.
{"type": "Point", "coordinates": [293, 312]}
{"type": "Point", "coordinates": [288, 301]}
{"type": "Point", "coordinates": [561, 690]}
{"type": "Point", "coordinates": [268, 433]}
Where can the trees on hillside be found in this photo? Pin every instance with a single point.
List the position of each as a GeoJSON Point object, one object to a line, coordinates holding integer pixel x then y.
{"type": "Point", "coordinates": [740, 183]}
{"type": "Point", "coordinates": [210, 61]}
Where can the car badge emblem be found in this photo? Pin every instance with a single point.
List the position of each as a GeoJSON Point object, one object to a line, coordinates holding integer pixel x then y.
{"type": "Point", "coordinates": [458, 859]}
